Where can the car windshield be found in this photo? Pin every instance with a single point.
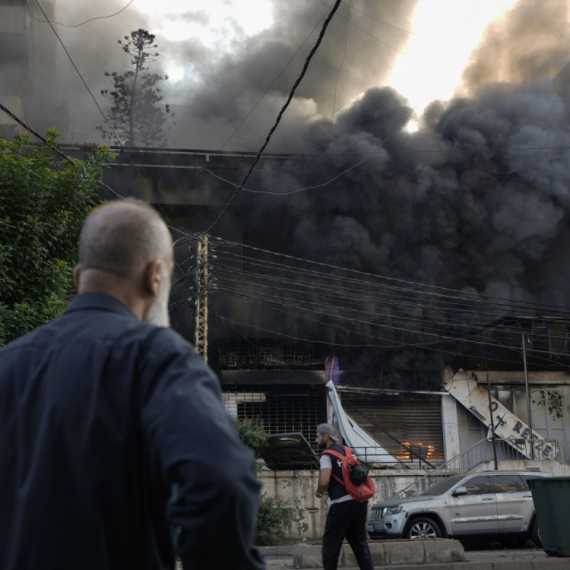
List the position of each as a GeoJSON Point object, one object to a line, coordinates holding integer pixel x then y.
{"type": "Point", "coordinates": [442, 486]}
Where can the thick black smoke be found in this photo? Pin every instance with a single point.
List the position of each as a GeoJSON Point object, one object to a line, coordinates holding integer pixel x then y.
{"type": "Point", "coordinates": [477, 199]}
{"type": "Point", "coordinates": [456, 204]}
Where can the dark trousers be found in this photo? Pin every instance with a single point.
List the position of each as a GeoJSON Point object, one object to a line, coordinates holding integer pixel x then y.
{"type": "Point", "coordinates": [346, 520]}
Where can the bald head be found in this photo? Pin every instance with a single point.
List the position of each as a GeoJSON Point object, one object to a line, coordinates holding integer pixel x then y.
{"type": "Point", "coordinates": [122, 238]}
{"type": "Point", "coordinates": [125, 250]}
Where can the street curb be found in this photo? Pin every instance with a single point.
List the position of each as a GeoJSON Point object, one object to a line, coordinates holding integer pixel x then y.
{"type": "Point", "coordinates": [543, 564]}
{"type": "Point", "coordinates": [385, 554]}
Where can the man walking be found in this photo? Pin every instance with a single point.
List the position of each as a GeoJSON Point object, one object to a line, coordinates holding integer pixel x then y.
{"type": "Point", "coordinates": [116, 452]}
{"type": "Point", "coordinates": [346, 517]}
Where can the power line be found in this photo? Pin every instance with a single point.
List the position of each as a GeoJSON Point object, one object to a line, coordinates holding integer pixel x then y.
{"type": "Point", "coordinates": [58, 151]}
{"type": "Point", "coordinates": [421, 345]}
{"type": "Point", "coordinates": [337, 295]}
{"type": "Point", "coordinates": [272, 83]}
{"type": "Point", "coordinates": [502, 301]}
{"type": "Point", "coordinates": [468, 337]}
{"type": "Point", "coordinates": [55, 149]}
{"type": "Point", "coordinates": [346, 345]}
{"type": "Point", "coordinates": [343, 58]}
{"type": "Point", "coordinates": [278, 120]}
{"type": "Point", "coordinates": [347, 299]}
{"type": "Point", "coordinates": [97, 104]}
{"type": "Point", "coordinates": [377, 19]}
{"type": "Point", "coordinates": [393, 295]}
{"type": "Point", "coordinates": [86, 21]}
{"type": "Point", "coordinates": [318, 185]}
{"type": "Point", "coordinates": [371, 35]}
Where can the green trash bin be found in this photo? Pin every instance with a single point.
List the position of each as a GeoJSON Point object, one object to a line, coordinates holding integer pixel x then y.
{"type": "Point", "coordinates": [551, 497]}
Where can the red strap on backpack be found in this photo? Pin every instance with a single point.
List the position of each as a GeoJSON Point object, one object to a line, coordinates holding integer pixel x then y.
{"type": "Point", "coordinates": [359, 493]}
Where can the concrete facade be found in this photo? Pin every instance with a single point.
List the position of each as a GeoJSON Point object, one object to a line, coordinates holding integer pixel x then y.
{"type": "Point", "coordinates": [298, 487]}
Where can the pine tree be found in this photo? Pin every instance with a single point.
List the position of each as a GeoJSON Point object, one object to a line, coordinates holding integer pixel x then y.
{"type": "Point", "coordinates": [136, 116]}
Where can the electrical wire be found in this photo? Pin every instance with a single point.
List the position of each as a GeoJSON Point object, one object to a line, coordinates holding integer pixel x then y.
{"type": "Point", "coordinates": [86, 21]}
{"type": "Point", "coordinates": [547, 362]}
{"type": "Point", "coordinates": [316, 292]}
{"type": "Point", "coordinates": [318, 185]}
{"type": "Point", "coordinates": [501, 301]}
{"type": "Point", "coordinates": [279, 116]}
{"type": "Point", "coordinates": [288, 193]}
{"type": "Point", "coordinates": [381, 21]}
{"type": "Point", "coordinates": [343, 58]}
{"type": "Point", "coordinates": [456, 304]}
{"type": "Point", "coordinates": [395, 298]}
{"type": "Point", "coordinates": [466, 338]}
{"type": "Point", "coordinates": [273, 82]}
{"type": "Point", "coordinates": [375, 37]}
{"type": "Point", "coordinates": [345, 345]}
{"type": "Point", "coordinates": [339, 297]}
{"type": "Point", "coordinates": [103, 114]}
{"type": "Point", "coordinates": [59, 152]}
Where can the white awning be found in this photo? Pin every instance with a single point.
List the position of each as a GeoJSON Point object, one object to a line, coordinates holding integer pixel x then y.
{"type": "Point", "coordinates": [364, 446]}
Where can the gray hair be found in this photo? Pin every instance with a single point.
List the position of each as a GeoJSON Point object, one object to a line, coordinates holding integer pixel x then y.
{"type": "Point", "coordinates": [122, 238]}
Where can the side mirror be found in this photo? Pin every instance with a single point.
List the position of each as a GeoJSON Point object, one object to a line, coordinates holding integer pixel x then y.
{"type": "Point", "coordinates": [459, 491]}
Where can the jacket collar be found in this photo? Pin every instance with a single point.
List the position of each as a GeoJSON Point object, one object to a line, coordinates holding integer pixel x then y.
{"type": "Point", "coordinates": [99, 302]}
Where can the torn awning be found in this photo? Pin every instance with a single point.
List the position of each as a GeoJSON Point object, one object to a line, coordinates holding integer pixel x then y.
{"type": "Point", "coordinates": [365, 447]}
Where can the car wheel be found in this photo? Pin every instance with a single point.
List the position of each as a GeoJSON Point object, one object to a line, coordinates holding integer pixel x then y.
{"type": "Point", "coordinates": [422, 528]}
{"type": "Point", "coordinates": [535, 533]}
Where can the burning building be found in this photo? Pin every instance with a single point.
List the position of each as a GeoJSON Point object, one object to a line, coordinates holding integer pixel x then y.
{"type": "Point", "coordinates": [402, 253]}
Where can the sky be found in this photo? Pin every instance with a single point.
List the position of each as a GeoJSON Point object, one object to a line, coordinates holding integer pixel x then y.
{"type": "Point", "coordinates": [420, 47]}
{"type": "Point", "coordinates": [437, 25]}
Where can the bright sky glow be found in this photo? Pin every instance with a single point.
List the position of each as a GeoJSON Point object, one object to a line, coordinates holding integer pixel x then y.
{"type": "Point", "coordinates": [447, 31]}
{"type": "Point", "coordinates": [175, 73]}
{"type": "Point", "coordinates": [215, 24]}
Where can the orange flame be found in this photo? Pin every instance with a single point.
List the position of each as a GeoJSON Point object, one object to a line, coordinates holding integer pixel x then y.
{"type": "Point", "coordinates": [407, 455]}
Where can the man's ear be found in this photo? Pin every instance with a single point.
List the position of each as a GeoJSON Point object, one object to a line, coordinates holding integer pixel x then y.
{"type": "Point", "coordinates": [77, 274]}
{"type": "Point", "coordinates": [153, 277]}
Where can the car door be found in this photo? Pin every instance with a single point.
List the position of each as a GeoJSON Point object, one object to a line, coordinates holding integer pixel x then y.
{"type": "Point", "coordinates": [514, 503]}
{"type": "Point", "coordinates": [474, 513]}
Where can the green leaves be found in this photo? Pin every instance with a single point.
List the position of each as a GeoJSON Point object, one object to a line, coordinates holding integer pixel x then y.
{"type": "Point", "coordinates": [43, 202]}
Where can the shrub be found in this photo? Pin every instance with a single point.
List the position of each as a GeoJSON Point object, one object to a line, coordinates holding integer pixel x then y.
{"type": "Point", "coordinates": [273, 517]}
{"type": "Point", "coordinates": [274, 513]}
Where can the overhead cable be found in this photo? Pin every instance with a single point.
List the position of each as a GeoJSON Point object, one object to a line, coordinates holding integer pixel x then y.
{"type": "Point", "coordinates": [301, 313]}
{"type": "Point", "coordinates": [280, 115]}
{"type": "Point", "coordinates": [86, 21]}
{"type": "Point", "coordinates": [500, 300]}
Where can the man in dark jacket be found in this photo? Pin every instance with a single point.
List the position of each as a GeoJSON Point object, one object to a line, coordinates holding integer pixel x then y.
{"type": "Point", "coordinates": [346, 517]}
{"type": "Point", "coordinates": [116, 452]}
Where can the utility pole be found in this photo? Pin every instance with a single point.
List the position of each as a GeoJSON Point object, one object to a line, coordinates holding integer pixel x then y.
{"type": "Point", "coordinates": [528, 412]}
{"type": "Point", "coordinates": [202, 282]}
{"type": "Point", "coordinates": [492, 424]}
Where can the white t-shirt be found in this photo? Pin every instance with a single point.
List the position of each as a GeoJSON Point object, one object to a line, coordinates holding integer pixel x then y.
{"type": "Point", "coordinates": [326, 463]}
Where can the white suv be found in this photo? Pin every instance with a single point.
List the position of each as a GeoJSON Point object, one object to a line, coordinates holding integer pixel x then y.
{"type": "Point", "coordinates": [490, 504]}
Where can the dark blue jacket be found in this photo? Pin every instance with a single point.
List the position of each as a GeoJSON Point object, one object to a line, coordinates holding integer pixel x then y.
{"type": "Point", "coordinates": [116, 451]}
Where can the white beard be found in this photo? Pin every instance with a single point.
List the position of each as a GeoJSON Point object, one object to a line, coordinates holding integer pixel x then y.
{"type": "Point", "coordinates": [158, 312]}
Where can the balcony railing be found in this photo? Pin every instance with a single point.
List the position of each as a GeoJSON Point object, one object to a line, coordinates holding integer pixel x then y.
{"type": "Point", "coordinates": [482, 451]}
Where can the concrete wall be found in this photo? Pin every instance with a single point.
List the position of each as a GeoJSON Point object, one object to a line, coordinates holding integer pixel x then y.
{"type": "Point", "coordinates": [310, 512]}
